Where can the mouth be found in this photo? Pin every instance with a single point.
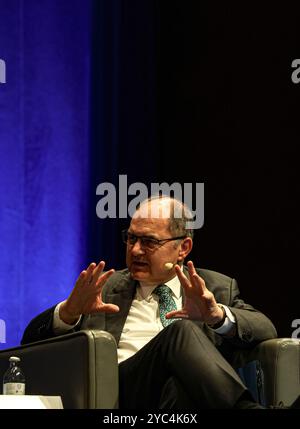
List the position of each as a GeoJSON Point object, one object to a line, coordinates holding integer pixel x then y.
{"type": "Point", "coordinates": [139, 270]}
{"type": "Point", "coordinates": [139, 264]}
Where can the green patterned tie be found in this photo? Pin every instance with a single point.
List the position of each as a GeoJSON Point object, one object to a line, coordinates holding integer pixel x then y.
{"type": "Point", "coordinates": [166, 303]}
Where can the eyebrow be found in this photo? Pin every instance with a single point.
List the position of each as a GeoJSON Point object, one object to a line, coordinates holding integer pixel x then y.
{"type": "Point", "coordinates": [143, 236]}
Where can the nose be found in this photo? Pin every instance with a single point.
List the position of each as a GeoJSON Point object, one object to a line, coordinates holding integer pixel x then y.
{"type": "Point", "coordinates": [137, 249]}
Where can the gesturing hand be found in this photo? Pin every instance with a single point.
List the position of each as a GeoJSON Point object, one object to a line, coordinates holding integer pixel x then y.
{"type": "Point", "coordinates": [86, 298]}
{"type": "Point", "coordinates": [199, 303]}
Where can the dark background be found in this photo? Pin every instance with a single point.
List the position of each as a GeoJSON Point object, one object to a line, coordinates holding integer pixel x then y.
{"type": "Point", "coordinates": [197, 92]}
{"type": "Point", "coordinates": [159, 91]}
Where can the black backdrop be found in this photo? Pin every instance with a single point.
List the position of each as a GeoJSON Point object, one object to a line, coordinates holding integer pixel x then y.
{"type": "Point", "coordinates": [197, 92]}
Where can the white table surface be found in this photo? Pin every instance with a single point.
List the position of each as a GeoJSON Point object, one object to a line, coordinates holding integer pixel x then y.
{"type": "Point", "coordinates": [30, 402]}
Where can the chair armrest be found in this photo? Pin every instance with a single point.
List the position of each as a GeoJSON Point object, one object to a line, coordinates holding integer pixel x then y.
{"type": "Point", "coordinates": [277, 369]}
{"type": "Point", "coordinates": [81, 367]}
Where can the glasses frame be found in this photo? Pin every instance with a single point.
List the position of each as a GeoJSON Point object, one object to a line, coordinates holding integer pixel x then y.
{"type": "Point", "coordinates": [156, 242]}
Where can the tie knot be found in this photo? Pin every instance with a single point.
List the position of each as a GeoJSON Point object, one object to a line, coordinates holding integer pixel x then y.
{"type": "Point", "coordinates": [162, 291]}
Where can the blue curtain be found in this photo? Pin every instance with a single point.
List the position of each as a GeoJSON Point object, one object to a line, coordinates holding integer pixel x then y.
{"type": "Point", "coordinates": [44, 155]}
{"type": "Point", "coordinates": [78, 108]}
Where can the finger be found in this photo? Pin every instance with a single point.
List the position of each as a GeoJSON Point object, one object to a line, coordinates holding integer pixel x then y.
{"type": "Point", "coordinates": [182, 314]}
{"type": "Point", "coordinates": [84, 275]}
{"type": "Point", "coordinates": [194, 276]}
{"type": "Point", "coordinates": [98, 270]}
{"type": "Point", "coordinates": [102, 279]}
{"type": "Point", "coordinates": [110, 308]}
{"type": "Point", "coordinates": [199, 283]}
{"type": "Point", "coordinates": [182, 277]}
{"type": "Point", "coordinates": [191, 268]}
{"type": "Point", "coordinates": [89, 272]}
{"type": "Point", "coordinates": [81, 278]}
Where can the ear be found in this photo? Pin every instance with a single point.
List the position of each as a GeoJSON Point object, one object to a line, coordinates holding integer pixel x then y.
{"type": "Point", "coordinates": [185, 248]}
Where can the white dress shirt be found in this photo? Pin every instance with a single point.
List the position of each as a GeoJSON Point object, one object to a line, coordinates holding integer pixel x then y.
{"type": "Point", "coordinates": [143, 321]}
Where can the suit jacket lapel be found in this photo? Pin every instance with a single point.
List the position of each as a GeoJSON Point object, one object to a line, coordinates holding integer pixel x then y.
{"type": "Point", "coordinates": [121, 295]}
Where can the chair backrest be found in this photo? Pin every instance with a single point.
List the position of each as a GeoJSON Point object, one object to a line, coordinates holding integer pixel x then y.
{"type": "Point", "coordinates": [80, 367]}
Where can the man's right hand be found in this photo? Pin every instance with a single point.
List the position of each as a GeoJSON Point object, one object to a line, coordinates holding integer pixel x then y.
{"type": "Point", "coordinates": [86, 298]}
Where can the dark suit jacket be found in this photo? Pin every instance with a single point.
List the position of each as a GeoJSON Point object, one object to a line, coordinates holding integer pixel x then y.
{"type": "Point", "coordinates": [252, 325]}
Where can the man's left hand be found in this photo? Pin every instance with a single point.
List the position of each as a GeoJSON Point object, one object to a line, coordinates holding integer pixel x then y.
{"type": "Point", "coordinates": [200, 303]}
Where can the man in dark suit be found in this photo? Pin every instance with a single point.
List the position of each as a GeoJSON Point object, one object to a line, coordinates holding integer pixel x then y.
{"type": "Point", "coordinates": [177, 328]}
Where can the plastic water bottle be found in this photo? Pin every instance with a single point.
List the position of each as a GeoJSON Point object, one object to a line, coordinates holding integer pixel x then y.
{"type": "Point", "coordinates": [14, 379]}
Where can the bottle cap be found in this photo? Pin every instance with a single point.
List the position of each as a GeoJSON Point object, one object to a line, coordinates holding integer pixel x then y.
{"type": "Point", "coordinates": [14, 359]}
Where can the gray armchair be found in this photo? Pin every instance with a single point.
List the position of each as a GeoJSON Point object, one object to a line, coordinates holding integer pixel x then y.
{"type": "Point", "coordinates": [272, 371]}
{"type": "Point", "coordinates": [82, 368]}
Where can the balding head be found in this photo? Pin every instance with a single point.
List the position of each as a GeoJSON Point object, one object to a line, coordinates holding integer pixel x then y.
{"type": "Point", "coordinates": [164, 207]}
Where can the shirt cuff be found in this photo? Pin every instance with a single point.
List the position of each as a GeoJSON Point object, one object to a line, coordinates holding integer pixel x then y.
{"type": "Point", "coordinates": [228, 322]}
{"type": "Point", "coordinates": [59, 326]}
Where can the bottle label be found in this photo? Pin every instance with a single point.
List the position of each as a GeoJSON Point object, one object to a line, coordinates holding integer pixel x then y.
{"type": "Point", "coordinates": [14, 389]}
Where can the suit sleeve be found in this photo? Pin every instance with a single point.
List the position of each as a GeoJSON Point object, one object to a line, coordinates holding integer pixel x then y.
{"type": "Point", "coordinates": [252, 325]}
{"type": "Point", "coordinates": [41, 328]}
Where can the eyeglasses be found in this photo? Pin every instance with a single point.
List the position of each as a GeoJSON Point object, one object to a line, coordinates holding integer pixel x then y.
{"type": "Point", "coordinates": [147, 243]}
